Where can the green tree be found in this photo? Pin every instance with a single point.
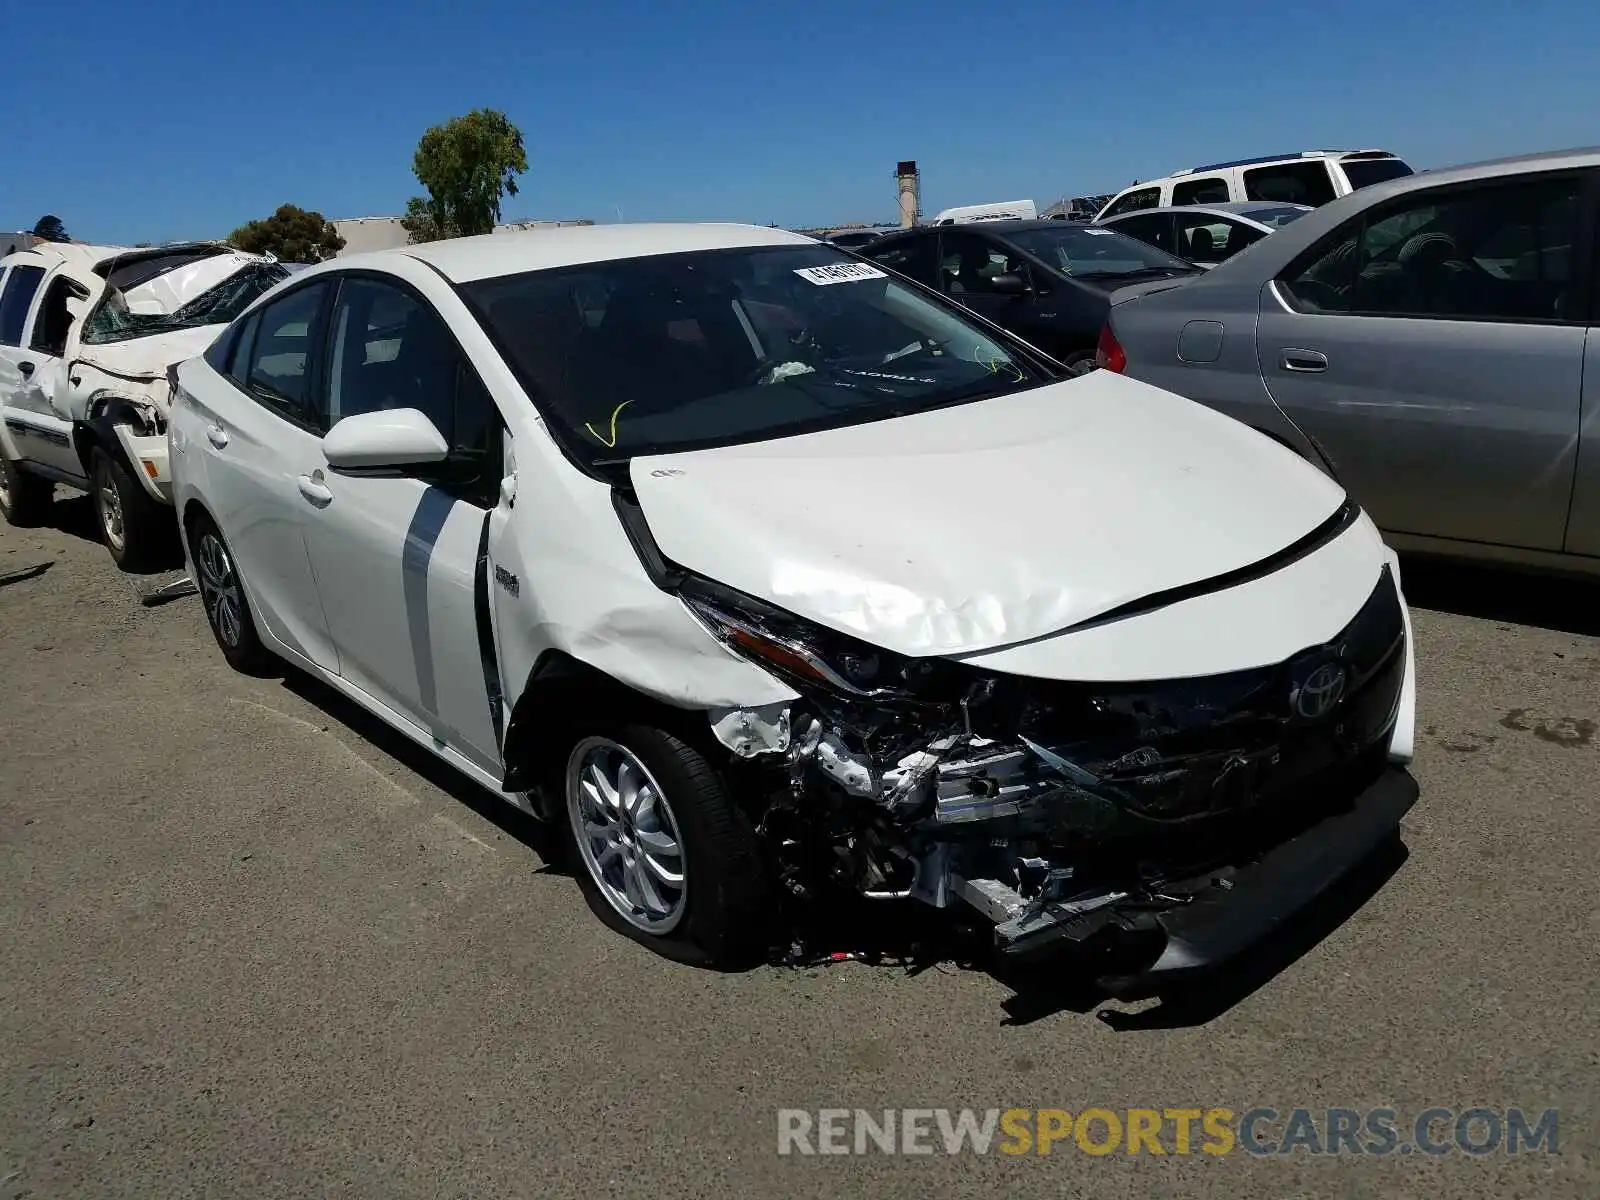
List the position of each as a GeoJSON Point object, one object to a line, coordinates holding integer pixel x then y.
{"type": "Point", "coordinates": [467, 164]}
{"type": "Point", "coordinates": [291, 234]}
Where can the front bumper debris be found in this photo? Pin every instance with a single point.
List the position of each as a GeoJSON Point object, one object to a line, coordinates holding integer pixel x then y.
{"type": "Point", "coordinates": [1201, 922]}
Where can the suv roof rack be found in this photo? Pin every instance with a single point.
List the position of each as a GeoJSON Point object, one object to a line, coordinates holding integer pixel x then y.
{"type": "Point", "coordinates": [1264, 158]}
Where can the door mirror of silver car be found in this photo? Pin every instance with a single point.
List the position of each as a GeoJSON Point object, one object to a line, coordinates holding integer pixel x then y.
{"type": "Point", "coordinates": [384, 440]}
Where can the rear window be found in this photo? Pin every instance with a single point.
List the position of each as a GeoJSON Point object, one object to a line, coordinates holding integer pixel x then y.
{"type": "Point", "coordinates": [1213, 190]}
{"type": "Point", "coordinates": [1306, 182]}
{"type": "Point", "coordinates": [1368, 171]}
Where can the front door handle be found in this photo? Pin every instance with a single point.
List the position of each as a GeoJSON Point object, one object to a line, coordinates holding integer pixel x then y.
{"type": "Point", "coordinates": [26, 368]}
{"type": "Point", "coordinates": [314, 490]}
{"type": "Point", "coordinates": [1303, 360]}
{"type": "Point", "coordinates": [217, 436]}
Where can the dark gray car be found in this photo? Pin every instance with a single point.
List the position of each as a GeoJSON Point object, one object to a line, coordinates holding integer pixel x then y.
{"type": "Point", "coordinates": [1431, 340]}
{"type": "Point", "coordinates": [1049, 282]}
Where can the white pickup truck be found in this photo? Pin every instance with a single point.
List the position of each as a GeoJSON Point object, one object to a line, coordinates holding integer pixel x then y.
{"type": "Point", "coordinates": [87, 334]}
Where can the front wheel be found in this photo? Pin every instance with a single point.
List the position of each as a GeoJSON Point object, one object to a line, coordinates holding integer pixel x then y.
{"type": "Point", "coordinates": [24, 498]}
{"type": "Point", "coordinates": [136, 529]}
{"type": "Point", "coordinates": [662, 853]}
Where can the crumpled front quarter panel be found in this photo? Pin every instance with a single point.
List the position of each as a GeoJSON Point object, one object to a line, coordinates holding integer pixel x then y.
{"type": "Point", "coordinates": [583, 591]}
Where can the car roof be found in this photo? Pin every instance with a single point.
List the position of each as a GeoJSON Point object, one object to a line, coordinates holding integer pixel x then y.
{"type": "Point", "coordinates": [1225, 208]}
{"type": "Point", "coordinates": [1000, 228]}
{"type": "Point", "coordinates": [492, 255]}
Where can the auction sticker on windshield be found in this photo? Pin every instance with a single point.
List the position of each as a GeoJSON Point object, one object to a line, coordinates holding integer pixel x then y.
{"type": "Point", "coordinates": [840, 273]}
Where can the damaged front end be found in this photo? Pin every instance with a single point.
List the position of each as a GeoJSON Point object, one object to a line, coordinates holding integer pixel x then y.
{"type": "Point", "coordinates": [1174, 818]}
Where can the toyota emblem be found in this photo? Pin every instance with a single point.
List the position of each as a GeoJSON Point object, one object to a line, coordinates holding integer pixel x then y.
{"type": "Point", "coordinates": [1320, 691]}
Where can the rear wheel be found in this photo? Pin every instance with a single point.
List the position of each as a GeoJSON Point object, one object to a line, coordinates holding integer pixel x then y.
{"type": "Point", "coordinates": [135, 528]}
{"type": "Point", "coordinates": [24, 498]}
{"type": "Point", "coordinates": [662, 853]}
{"type": "Point", "coordinates": [227, 610]}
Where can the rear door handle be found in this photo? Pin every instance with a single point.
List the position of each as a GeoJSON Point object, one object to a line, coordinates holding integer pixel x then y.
{"type": "Point", "coordinates": [217, 436]}
{"type": "Point", "coordinates": [314, 490]}
{"type": "Point", "coordinates": [1303, 360]}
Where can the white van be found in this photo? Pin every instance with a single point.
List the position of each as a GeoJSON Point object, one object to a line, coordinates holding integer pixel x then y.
{"type": "Point", "coordinates": [1005, 210]}
{"type": "Point", "coordinates": [1312, 178]}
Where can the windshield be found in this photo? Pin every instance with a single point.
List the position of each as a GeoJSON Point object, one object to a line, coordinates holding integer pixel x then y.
{"type": "Point", "coordinates": [1364, 172]}
{"type": "Point", "coordinates": [1090, 252]}
{"type": "Point", "coordinates": [683, 351]}
{"type": "Point", "coordinates": [113, 322]}
{"type": "Point", "coordinates": [1276, 217]}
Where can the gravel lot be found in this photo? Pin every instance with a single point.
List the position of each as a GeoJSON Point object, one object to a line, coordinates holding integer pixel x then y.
{"type": "Point", "coordinates": [255, 945]}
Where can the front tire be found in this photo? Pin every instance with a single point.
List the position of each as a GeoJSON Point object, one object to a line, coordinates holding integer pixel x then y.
{"type": "Point", "coordinates": [135, 529]}
{"type": "Point", "coordinates": [222, 594]}
{"type": "Point", "coordinates": [24, 498]}
{"type": "Point", "coordinates": [661, 851]}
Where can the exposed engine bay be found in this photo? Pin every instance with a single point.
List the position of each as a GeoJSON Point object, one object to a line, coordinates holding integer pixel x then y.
{"type": "Point", "coordinates": [1057, 810]}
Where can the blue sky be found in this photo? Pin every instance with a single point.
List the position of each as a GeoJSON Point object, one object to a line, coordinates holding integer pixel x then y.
{"type": "Point", "coordinates": [166, 119]}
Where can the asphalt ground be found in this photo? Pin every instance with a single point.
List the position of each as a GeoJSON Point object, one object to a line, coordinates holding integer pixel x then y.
{"type": "Point", "coordinates": [254, 944]}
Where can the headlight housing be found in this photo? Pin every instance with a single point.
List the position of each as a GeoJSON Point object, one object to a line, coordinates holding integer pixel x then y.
{"type": "Point", "coordinates": [811, 658]}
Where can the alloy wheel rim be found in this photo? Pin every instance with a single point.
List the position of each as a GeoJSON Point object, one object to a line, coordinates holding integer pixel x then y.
{"type": "Point", "coordinates": [627, 835]}
{"type": "Point", "coordinates": [110, 513]}
{"type": "Point", "coordinates": [219, 589]}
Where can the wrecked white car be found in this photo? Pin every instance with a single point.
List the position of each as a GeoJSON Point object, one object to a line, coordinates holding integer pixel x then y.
{"type": "Point", "coordinates": [763, 571]}
{"type": "Point", "coordinates": [87, 334]}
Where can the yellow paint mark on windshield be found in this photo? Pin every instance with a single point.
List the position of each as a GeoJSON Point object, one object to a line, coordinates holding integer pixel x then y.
{"type": "Point", "coordinates": [609, 443]}
{"type": "Point", "coordinates": [996, 364]}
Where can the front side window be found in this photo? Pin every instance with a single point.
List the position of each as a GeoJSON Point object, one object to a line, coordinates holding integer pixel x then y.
{"type": "Point", "coordinates": [54, 323]}
{"type": "Point", "coordinates": [1493, 253]}
{"type": "Point", "coordinates": [1305, 182]}
{"type": "Point", "coordinates": [1205, 238]}
{"type": "Point", "coordinates": [389, 349]}
{"type": "Point", "coordinates": [1097, 254]}
{"type": "Point", "coordinates": [21, 285]}
{"type": "Point", "coordinates": [1213, 190]}
{"type": "Point", "coordinates": [676, 352]}
{"type": "Point", "coordinates": [111, 321]}
{"type": "Point", "coordinates": [277, 364]}
{"type": "Point", "coordinates": [1134, 201]}
{"type": "Point", "coordinates": [913, 256]}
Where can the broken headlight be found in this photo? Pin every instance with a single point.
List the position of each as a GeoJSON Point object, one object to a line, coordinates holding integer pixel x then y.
{"type": "Point", "coordinates": [808, 656]}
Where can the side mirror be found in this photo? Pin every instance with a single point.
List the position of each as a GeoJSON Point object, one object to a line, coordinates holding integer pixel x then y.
{"type": "Point", "coordinates": [1009, 285]}
{"type": "Point", "coordinates": [76, 308]}
{"type": "Point", "coordinates": [386, 439]}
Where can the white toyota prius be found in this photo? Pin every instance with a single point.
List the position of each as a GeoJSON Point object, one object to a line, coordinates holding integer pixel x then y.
{"type": "Point", "coordinates": [766, 573]}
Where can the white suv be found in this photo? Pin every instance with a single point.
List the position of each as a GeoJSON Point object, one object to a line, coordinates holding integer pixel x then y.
{"type": "Point", "coordinates": [762, 571]}
{"type": "Point", "coordinates": [1312, 178]}
{"type": "Point", "coordinates": [87, 334]}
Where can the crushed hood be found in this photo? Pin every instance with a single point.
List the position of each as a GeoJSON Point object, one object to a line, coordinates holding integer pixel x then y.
{"type": "Point", "coordinates": [986, 524]}
{"type": "Point", "coordinates": [147, 358]}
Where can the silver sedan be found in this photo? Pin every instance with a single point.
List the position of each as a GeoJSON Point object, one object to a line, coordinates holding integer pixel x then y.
{"type": "Point", "coordinates": [1433, 341]}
